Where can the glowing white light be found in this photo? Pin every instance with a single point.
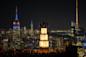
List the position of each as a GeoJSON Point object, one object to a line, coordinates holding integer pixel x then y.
{"type": "Point", "coordinates": [44, 44]}
{"type": "Point", "coordinates": [5, 40]}
{"type": "Point", "coordinates": [43, 30]}
{"type": "Point", "coordinates": [14, 22]}
{"type": "Point", "coordinates": [43, 37]}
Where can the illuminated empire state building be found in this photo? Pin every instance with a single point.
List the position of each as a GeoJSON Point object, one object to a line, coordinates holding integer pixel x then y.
{"type": "Point", "coordinates": [16, 32]}
{"type": "Point", "coordinates": [16, 26]}
{"type": "Point", "coordinates": [16, 23]}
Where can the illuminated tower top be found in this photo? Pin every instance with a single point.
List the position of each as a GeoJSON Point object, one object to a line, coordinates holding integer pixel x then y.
{"type": "Point", "coordinates": [16, 18]}
{"type": "Point", "coordinates": [32, 30]}
{"type": "Point", "coordinates": [77, 20]}
{"type": "Point", "coordinates": [31, 26]}
{"type": "Point", "coordinates": [16, 23]}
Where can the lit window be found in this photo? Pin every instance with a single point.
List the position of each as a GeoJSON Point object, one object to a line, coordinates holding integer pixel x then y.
{"type": "Point", "coordinates": [44, 37]}
{"type": "Point", "coordinates": [43, 30]}
{"type": "Point", "coordinates": [14, 22]}
{"type": "Point", "coordinates": [44, 44]}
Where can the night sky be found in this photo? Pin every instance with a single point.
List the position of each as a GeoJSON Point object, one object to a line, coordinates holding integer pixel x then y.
{"type": "Point", "coordinates": [57, 13]}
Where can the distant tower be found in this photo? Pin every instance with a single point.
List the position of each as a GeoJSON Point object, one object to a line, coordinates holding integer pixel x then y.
{"type": "Point", "coordinates": [77, 20]}
{"type": "Point", "coordinates": [16, 23]}
{"type": "Point", "coordinates": [32, 32]}
{"type": "Point", "coordinates": [72, 24]}
{"type": "Point", "coordinates": [25, 30]}
{"type": "Point", "coordinates": [72, 28]}
{"type": "Point", "coordinates": [16, 18]}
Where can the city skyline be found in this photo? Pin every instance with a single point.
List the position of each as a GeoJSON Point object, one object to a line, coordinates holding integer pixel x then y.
{"type": "Point", "coordinates": [57, 14]}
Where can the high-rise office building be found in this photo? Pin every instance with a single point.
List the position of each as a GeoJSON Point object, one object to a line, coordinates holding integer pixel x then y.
{"type": "Point", "coordinates": [44, 42]}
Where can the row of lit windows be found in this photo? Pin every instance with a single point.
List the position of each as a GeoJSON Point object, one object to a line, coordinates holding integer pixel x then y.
{"type": "Point", "coordinates": [44, 43]}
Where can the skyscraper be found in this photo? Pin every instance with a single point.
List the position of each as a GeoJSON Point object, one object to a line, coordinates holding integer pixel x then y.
{"type": "Point", "coordinates": [77, 19]}
{"type": "Point", "coordinates": [16, 23]}
{"type": "Point", "coordinates": [44, 41]}
{"type": "Point", "coordinates": [16, 32]}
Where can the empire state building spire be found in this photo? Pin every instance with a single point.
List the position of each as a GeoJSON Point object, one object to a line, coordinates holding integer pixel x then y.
{"type": "Point", "coordinates": [16, 17]}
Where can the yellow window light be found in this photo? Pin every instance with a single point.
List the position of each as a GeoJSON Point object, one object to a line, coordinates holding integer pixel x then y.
{"type": "Point", "coordinates": [43, 30]}
{"type": "Point", "coordinates": [44, 44]}
{"type": "Point", "coordinates": [43, 37]}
